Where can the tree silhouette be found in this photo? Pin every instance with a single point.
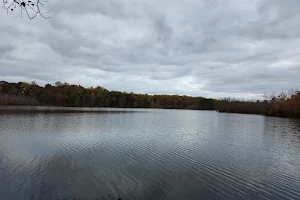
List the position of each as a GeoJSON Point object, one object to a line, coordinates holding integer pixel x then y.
{"type": "Point", "coordinates": [31, 8]}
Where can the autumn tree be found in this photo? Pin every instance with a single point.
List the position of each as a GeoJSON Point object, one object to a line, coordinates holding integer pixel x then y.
{"type": "Point", "coordinates": [294, 102]}
{"type": "Point", "coordinates": [58, 84]}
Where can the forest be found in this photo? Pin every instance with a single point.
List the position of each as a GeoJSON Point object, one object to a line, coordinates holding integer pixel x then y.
{"type": "Point", "coordinates": [64, 94]}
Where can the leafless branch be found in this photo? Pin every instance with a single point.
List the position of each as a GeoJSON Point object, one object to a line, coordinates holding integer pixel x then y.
{"type": "Point", "coordinates": [32, 8]}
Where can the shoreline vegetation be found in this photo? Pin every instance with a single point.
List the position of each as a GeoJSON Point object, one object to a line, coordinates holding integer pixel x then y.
{"type": "Point", "coordinates": [62, 94]}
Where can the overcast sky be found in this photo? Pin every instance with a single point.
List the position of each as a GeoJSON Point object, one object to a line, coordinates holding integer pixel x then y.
{"type": "Point", "coordinates": [211, 48]}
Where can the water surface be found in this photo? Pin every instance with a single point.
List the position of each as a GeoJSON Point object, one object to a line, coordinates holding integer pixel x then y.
{"type": "Point", "coordinates": [53, 153]}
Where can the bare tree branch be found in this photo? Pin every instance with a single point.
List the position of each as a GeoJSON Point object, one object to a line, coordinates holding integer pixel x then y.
{"type": "Point", "coordinates": [32, 8]}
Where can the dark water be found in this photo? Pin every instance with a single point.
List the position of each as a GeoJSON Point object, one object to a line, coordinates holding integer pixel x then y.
{"type": "Point", "coordinates": [147, 154]}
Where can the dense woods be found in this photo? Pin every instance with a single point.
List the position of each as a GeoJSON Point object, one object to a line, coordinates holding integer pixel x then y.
{"type": "Point", "coordinates": [63, 94]}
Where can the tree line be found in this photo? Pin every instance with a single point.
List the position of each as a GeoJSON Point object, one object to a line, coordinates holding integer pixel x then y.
{"type": "Point", "coordinates": [64, 94]}
{"type": "Point", "coordinates": [284, 104]}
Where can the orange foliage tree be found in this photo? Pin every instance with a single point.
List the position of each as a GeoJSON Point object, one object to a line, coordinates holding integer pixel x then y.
{"type": "Point", "coordinates": [294, 103]}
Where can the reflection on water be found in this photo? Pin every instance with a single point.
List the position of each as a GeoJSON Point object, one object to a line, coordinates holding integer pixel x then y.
{"type": "Point", "coordinates": [147, 154]}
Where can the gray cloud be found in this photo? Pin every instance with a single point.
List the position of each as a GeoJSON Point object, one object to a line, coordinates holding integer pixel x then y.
{"type": "Point", "coordinates": [207, 48]}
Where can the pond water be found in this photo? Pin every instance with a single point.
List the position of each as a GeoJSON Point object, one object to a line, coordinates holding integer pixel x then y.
{"type": "Point", "coordinates": [97, 153]}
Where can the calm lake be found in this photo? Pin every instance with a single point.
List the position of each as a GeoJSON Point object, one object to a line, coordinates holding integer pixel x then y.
{"type": "Point", "coordinates": [54, 153]}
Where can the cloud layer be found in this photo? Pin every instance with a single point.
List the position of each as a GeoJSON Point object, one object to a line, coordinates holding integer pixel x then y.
{"type": "Point", "coordinates": [212, 48]}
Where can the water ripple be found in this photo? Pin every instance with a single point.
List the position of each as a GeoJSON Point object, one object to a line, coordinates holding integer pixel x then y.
{"type": "Point", "coordinates": [158, 154]}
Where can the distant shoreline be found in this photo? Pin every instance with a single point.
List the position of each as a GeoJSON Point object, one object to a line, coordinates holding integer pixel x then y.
{"type": "Point", "coordinates": [60, 109]}
{"type": "Point", "coordinates": [76, 96]}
